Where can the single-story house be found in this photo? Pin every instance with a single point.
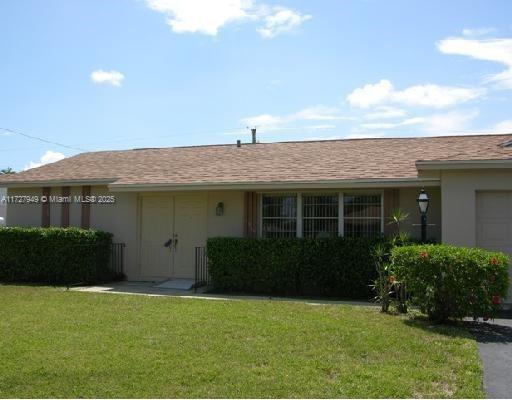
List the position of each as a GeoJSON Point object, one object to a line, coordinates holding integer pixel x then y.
{"type": "Point", "coordinates": [3, 206]}
{"type": "Point", "coordinates": [181, 196]}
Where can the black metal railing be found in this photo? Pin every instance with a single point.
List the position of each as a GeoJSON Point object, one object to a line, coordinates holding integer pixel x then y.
{"type": "Point", "coordinates": [117, 258]}
{"type": "Point", "coordinates": [202, 276]}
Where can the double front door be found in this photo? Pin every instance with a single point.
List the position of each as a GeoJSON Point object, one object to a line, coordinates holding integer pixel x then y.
{"type": "Point", "coordinates": [171, 228]}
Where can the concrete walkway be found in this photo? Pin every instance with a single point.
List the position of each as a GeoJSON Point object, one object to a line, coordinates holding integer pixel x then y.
{"type": "Point", "coordinates": [152, 289]}
{"type": "Point", "coordinates": [495, 348]}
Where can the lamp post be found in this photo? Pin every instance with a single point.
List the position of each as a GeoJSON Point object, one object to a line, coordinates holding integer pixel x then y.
{"type": "Point", "coordinates": [423, 201]}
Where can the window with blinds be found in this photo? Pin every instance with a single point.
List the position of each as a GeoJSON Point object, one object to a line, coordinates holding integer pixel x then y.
{"type": "Point", "coordinates": [362, 215]}
{"type": "Point", "coordinates": [279, 216]}
{"type": "Point", "coordinates": [320, 215]}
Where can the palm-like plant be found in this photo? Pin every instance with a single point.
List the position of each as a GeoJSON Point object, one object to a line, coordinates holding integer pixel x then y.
{"type": "Point", "coordinates": [397, 217]}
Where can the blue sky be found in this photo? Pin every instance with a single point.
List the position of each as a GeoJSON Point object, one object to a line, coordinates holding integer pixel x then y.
{"type": "Point", "coordinates": [97, 75]}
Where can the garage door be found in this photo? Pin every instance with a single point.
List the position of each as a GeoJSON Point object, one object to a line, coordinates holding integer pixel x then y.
{"type": "Point", "coordinates": [494, 223]}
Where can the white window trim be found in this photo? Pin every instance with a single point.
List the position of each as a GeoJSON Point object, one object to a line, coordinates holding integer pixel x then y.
{"type": "Point", "coordinates": [341, 214]}
{"type": "Point", "coordinates": [299, 215]}
{"type": "Point", "coordinates": [341, 208]}
{"type": "Point", "coordinates": [382, 213]}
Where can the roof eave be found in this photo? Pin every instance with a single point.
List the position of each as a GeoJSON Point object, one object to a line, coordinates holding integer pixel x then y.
{"type": "Point", "coordinates": [429, 165]}
{"type": "Point", "coordinates": [286, 185]}
{"type": "Point", "coordinates": [53, 183]}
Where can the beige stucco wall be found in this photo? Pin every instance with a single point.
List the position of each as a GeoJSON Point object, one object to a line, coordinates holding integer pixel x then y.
{"type": "Point", "coordinates": [232, 222]}
{"type": "Point", "coordinates": [3, 205]}
{"type": "Point", "coordinates": [459, 201]}
{"type": "Point", "coordinates": [120, 219]}
{"type": "Point", "coordinates": [75, 209]}
{"type": "Point", "coordinates": [24, 214]}
{"type": "Point", "coordinates": [55, 208]}
{"type": "Point", "coordinates": [408, 204]}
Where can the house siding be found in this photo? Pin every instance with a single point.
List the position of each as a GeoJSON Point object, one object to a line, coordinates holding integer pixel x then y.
{"type": "Point", "coordinates": [459, 201]}
{"type": "Point", "coordinates": [122, 218]}
{"type": "Point", "coordinates": [3, 206]}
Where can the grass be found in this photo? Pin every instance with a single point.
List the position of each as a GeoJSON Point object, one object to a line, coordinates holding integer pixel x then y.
{"type": "Point", "coordinates": [57, 343]}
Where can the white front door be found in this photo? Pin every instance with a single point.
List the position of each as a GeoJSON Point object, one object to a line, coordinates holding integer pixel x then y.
{"type": "Point", "coordinates": [183, 219]}
{"type": "Point", "coordinates": [190, 215]}
{"type": "Point", "coordinates": [156, 229]}
{"type": "Point", "coordinates": [494, 223]}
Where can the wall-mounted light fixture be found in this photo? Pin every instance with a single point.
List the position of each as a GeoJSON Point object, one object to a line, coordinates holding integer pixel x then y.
{"type": "Point", "coordinates": [219, 210]}
{"type": "Point", "coordinates": [423, 202]}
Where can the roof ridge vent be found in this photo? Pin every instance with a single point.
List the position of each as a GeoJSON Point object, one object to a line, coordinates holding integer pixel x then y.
{"type": "Point", "coordinates": [507, 143]}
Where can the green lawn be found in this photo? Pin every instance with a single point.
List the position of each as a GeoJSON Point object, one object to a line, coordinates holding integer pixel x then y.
{"type": "Point", "coordinates": [56, 343]}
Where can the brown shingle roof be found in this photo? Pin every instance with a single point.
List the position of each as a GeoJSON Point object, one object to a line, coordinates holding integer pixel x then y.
{"type": "Point", "coordinates": [268, 162]}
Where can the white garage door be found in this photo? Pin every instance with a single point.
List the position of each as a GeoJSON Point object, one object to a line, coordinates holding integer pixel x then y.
{"type": "Point", "coordinates": [494, 223]}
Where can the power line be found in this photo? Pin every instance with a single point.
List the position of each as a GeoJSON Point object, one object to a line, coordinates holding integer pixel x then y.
{"type": "Point", "coordinates": [42, 140]}
{"type": "Point", "coordinates": [227, 132]}
{"type": "Point", "coordinates": [168, 136]}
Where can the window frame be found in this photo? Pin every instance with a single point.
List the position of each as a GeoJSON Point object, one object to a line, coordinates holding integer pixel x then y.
{"type": "Point", "coordinates": [381, 204]}
{"type": "Point", "coordinates": [341, 209]}
{"type": "Point", "coordinates": [320, 194]}
{"type": "Point", "coordinates": [276, 194]}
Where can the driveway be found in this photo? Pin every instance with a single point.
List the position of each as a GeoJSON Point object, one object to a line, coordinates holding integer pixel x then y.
{"type": "Point", "coordinates": [495, 347]}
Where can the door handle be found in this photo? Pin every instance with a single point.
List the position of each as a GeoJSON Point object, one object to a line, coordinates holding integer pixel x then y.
{"type": "Point", "coordinates": [175, 242]}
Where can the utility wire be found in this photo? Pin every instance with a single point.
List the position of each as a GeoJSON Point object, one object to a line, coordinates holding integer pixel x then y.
{"type": "Point", "coordinates": [168, 136]}
{"type": "Point", "coordinates": [41, 139]}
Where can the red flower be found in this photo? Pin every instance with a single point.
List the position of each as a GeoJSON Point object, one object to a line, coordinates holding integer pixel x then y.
{"type": "Point", "coordinates": [496, 299]}
{"type": "Point", "coordinates": [494, 261]}
{"type": "Point", "coordinates": [423, 255]}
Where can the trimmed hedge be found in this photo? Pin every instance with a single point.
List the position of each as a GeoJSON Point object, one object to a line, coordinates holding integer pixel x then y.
{"type": "Point", "coordinates": [54, 255]}
{"type": "Point", "coordinates": [452, 282]}
{"type": "Point", "coordinates": [341, 267]}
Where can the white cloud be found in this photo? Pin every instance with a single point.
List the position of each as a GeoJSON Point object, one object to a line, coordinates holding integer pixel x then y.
{"type": "Point", "coordinates": [371, 94]}
{"type": "Point", "coordinates": [455, 122]}
{"type": "Point", "coordinates": [315, 138]}
{"type": "Point", "coordinates": [324, 127]}
{"type": "Point", "coordinates": [46, 158]}
{"type": "Point", "coordinates": [379, 125]}
{"type": "Point", "coordinates": [315, 113]}
{"type": "Point", "coordinates": [503, 127]}
{"type": "Point", "coordinates": [365, 135]}
{"type": "Point", "coordinates": [282, 20]}
{"type": "Point", "coordinates": [263, 120]}
{"type": "Point", "coordinates": [478, 31]}
{"type": "Point", "coordinates": [208, 17]}
{"type": "Point", "coordinates": [199, 16]}
{"type": "Point", "coordinates": [385, 112]}
{"type": "Point", "coordinates": [428, 95]}
{"type": "Point", "coordinates": [113, 78]}
{"type": "Point", "coordinates": [449, 123]}
{"type": "Point", "coordinates": [496, 50]}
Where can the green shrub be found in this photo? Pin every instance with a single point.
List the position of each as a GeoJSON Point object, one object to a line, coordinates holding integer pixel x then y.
{"type": "Point", "coordinates": [452, 282]}
{"type": "Point", "coordinates": [341, 267]}
{"type": "Point", "coordinates": [54, 255]}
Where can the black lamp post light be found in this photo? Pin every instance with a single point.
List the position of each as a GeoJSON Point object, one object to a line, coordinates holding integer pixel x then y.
{"type": "Point", "coordinates": [423, 201]}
